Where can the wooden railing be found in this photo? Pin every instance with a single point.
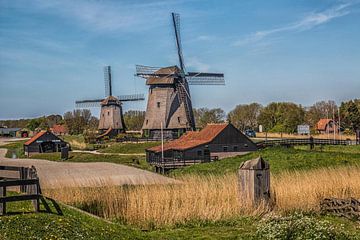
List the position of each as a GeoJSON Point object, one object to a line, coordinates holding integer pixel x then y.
{"type": "Point", "coordinates": [171, 163]}
{"type": "Point", "coordinates": [303, 141]}
{"type": "Point", "coordinates": [28, 181]}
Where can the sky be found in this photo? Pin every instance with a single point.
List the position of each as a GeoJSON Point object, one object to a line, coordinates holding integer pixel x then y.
{"type": "Point", "coordinates": [52, 52]}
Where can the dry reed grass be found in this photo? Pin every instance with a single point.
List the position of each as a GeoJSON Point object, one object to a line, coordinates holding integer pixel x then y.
{"type": "Point", "coordinates": [209, 198]}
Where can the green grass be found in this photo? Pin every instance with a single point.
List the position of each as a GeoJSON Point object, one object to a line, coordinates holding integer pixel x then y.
{"type": "Point", "coordinates": [131, 160]}
{"type": "Point", "coordinates": [15, 148]}
{"type": "Point", "coordinates": [282, 159]}
{"type": "Point", "coordinates": [129, 147]}
{"type": "Point", "coordinates": [23, 223]}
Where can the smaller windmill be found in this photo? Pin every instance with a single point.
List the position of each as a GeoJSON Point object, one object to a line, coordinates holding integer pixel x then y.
{"type": "Point", "coordinates": [111, 117]}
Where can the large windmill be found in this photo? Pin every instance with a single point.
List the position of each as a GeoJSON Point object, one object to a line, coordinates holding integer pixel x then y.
{"type": "Point", "coordinates": [111, 118]}
{"type": "Point", "coordinates": [169, 104]}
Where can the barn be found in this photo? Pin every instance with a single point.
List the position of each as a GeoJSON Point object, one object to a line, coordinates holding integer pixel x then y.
{"type": "Point", "coordinates": [327, 125]}
{"type": "Point", "coordinates": [213, 141]}
{"type": "Point", "coordinates": [44, 142]}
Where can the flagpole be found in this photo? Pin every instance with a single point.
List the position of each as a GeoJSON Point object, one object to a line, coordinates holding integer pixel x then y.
{"type": "Point", "coordinates": [162, 143]}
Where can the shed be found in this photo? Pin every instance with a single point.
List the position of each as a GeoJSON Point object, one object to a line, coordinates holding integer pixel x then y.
{"type": "Point", "coordinates": [327, 125]}
{"type": "Point", "coordinates": [44, 142]}
{"type": "Point", "coordinates": [214, 140]}
{"type": "Point", "coordinates": [9, 132]}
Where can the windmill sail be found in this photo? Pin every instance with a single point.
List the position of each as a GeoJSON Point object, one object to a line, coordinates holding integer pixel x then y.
{"type": "Point", "coordinates": [107, 80]}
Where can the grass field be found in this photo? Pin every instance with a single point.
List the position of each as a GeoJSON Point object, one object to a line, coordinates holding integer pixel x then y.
{"type": "Point", "coordinates": [129, 147]}
{"type": "Point", "coordinates": [15, 149]}
{"type": "Point", "coordinates": [21, 224]}
{"type": "Point", "coordinates": [131, 160]}
{"type": "Point", "coordinates": [282, 159]}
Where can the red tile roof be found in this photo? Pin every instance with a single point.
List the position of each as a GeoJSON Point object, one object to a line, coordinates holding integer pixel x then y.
{"type": "Point", "coordinates": [59, 129]}
{"type": "Point", "coordinates": [193, 139]}
{"type": "Point", "coordinates": [321, 124]}
{"type": "Point", "coordinates": [33, 139]}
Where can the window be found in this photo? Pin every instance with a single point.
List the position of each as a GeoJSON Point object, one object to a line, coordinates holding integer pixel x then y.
{"type": "Point", "coordinates": [147, 121]}
{"type": "Point", "coordinates": [225, 148]}
{"type": "Point", "coordinates": [178, 119]}
{"type": "Point", "coordinates": [108, 113]}
{"type": "Point", "coordinates": [199, 153]}
{"type": "Point", "coordinates": [103, 115]}
{"type": "Point", "coordinates": [245, 145]}
{"type": "Point", "coordinates": [236, 148]}
{"type": "Point", "coordinates": [158, 104]}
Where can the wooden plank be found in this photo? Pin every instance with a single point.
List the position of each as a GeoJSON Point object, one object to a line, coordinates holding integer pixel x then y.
{"type": "Point", "coordinates": [8, 183]}
{"type": "Point", "coordinates": [2, 205]}
{"type": "Point", "coordinates": [19, 198]}
{"type": "Point", "coordinates": [10, 168]}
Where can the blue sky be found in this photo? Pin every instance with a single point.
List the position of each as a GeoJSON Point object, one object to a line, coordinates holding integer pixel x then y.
{"type": "Point", "coordinates": [53, 52]}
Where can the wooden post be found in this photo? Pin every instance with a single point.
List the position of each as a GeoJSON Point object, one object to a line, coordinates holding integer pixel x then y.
{"type": "Point", "coordinates": [254, 181]}
{"type": "Point", "coordinates": [3, 204]}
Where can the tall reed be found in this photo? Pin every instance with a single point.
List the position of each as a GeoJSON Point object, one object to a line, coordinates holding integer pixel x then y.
{"type": "Point", "coordinates": [209, 198]}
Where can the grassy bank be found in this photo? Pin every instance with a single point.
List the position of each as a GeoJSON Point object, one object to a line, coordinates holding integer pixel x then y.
{"type": "Point", "coordinates": [130, 160]}
{"type": "Point", "coordinates": [282, 159]}
{"type": "Point", "coordinates": [15, 149]}
{"type": "Point", "coordinates": [129, 147]}
{"type": "Point", "coordinates": [21, 224]}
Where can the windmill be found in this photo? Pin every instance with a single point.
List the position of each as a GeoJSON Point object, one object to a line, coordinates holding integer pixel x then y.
{"type": "Point", "coordinates": [111, 118]}
{"type": "Point", "coordinates": [169, 102]}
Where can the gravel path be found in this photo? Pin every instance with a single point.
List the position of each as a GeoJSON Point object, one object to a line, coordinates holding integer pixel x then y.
{"type": "Point", "coordinates": [70, 174]}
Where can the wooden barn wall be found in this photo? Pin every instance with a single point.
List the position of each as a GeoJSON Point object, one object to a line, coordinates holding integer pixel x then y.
{"type": "Point", "coordinates": [232, 137]}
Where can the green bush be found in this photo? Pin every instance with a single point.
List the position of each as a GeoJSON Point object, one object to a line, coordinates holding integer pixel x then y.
{"type": "Point", "coordinates": [300, 226]}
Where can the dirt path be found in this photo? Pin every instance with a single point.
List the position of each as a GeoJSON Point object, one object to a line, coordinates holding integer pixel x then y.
{"type": "Point", "coordinates": [70, 174]}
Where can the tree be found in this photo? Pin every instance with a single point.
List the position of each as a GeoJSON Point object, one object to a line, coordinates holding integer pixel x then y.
{"type": "Point", "coordinates": [33, 124]}
{"type": "Point", "coordinates": [78, 120]}
{"type": "Point", "coordinates": [245, 116]}
{"type": "Point", "coordinates": [204, 116]}
{"type": "Point", "coordinates": [350, 114]}
{"type": "Point", "coordinates": [322, 109]}
{"type": "Point", "coordinates": [134, 119]}
{"type": "Point", "coordinates": [281, 117]}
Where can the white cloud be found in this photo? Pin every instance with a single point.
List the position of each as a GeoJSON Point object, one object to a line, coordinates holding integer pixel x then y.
{"type": "Point", "coordinates": [197, 64]}
{"type": "Point", "coordinates": [310, 21]}
{"type": "Point", "coordinates": [109, 16]}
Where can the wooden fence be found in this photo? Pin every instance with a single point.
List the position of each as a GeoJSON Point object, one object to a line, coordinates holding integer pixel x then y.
{"type": "Point", "coordinates": [303, 141]}
{"type": "Point", "coordinates": [28, 182]}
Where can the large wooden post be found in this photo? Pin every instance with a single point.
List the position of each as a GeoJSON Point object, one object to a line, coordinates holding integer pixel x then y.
{"type": "Point", "coordinates": [254, 181]}
{"type": "Point", "coordinates": [2, 204]}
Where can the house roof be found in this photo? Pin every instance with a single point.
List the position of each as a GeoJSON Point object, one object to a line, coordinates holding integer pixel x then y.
{"type": "Point", "coordinates": [193, 139]}
{"type": "Point", "coordinates": [163, 80]}
{"type": "Point", "coordinates": [321, 124]}
{"type": "Point", "coordinates": [8, 130]}
{"type": "Point", "coordinates": [34, 138]}
{"type": "Point", "coordinates": [57, 128]}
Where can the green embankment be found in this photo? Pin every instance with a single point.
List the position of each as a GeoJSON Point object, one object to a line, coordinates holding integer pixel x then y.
{"type": "Point", "coordinates": [22, 223]}
{"type": "Point", "coordinates": [131, 160]}
{"type": "Point", "coordinates": [282, 159]}
{"type": "Point", "coordinates": [129, 147]}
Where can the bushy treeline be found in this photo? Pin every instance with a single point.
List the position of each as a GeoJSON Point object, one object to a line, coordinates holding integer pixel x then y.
{"type": "Point", "coordinates": [283, 116]}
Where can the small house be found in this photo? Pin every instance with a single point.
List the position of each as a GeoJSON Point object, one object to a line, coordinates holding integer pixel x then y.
{"type": "Point", "coordinates": [9, 132]}
{"type": "Point", "coordinates": [59, 129]}
{"type": "Point", "coordinates": [327, 125]}
{"type": "Point", "coordinates": [44, 142]}
{"type": "Point", "coordinates": [213, 141]}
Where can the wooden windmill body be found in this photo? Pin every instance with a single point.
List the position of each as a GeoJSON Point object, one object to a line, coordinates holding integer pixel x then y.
{"type": "Point", "coordinates": [111, 120]}
{"type": "Point", "coordinates": [169, 103]}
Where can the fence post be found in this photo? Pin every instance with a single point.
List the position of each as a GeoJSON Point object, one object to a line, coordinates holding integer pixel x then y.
{"type": "Point", "coordinates": [254, 181]}
{"type": "Point", "coordinates": [2, 204]}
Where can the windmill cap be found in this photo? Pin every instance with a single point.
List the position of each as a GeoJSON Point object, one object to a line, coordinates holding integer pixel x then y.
{"type": "Point", "coordinates": [255, 164]}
